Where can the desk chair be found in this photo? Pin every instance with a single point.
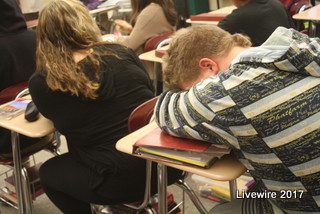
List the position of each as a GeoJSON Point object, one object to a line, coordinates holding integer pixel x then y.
{"type": "Point", "coordinates": [297, 6]}
{"type": "Point", "coordinates": [140, 117]}
{"type": "Point", "coordinates": [50, 143]}
{"type": "Point", "coordinates": [153, 42]}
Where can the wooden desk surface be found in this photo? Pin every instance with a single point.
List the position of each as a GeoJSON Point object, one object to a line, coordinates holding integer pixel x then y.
{"type": "Point", "coordinates": [225, 169]}
{"type": "Point", "coordinates": [312, 14]}
{"type": "Point", "coordinates": [102, 9]}
{"type": "Point", "coordinates": [151, 55]}
{"type": "Point", "coordinates": [38, 128]}
{"type": "Point", "coordinates": [224, 10]}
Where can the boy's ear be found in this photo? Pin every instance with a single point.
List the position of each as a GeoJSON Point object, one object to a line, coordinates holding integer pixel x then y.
{"type": "Point", "coordinates": [208, 65]}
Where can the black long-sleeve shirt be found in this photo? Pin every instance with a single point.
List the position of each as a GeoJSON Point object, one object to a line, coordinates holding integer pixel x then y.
{"type": "Point", "coordinates": [257, 19]}
{"type": "Point", "coordinates": [92, 127]}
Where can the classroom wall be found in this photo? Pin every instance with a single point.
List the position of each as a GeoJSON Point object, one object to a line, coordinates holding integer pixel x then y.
{"type": "Point", "coordinates": [223, 3]}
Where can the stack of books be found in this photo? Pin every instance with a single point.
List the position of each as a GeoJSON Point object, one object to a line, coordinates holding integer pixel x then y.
{"type": "Point", "coordinates": [208, 17]}
{"type": "Point", "coordinates": [8, 192]}
{"type": "Point", "coordinates": [158, 145]}
{"type": "Point", "coordinates": [219, 190]}
{"type": "Point", "coordinates": [122, 209]}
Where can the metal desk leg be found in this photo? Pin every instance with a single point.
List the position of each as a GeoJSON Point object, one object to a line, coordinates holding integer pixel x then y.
{"type": "Point", "coordinates": [162, 189]}
{"type": "Point", "coordinates": [218, 4]}
{"type": "Point", "coordinates": [21, 180]}
{"type": "Point", "coordinates": [233, 189]}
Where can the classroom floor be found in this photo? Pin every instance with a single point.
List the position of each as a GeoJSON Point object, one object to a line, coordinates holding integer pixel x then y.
{"type": "Point", "coordinates": [42, 205]}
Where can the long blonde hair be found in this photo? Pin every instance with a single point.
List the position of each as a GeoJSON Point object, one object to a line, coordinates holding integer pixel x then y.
{"type": "Point", "coordinates": [66, 26]}
{"type": "Point", "coordinates": [191, 44]}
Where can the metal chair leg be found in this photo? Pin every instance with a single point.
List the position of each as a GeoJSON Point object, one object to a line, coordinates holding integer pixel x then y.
{"type": "Point", "coordinates": [183, 185]}
{"type": "Point", "coordinates": [233, 189]}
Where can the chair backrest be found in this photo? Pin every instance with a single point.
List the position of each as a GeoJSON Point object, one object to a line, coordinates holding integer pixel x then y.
{"type": "Point", "coordinates": [299, 6]}
{"type": "Point", "coordinates": [141, 115]}
{"type": "Point", "coordinates": [287, 3]}
{"type": "Point", "coordinates": [153, 42]}
{"type": "Point", "coordinates": [11, 92]}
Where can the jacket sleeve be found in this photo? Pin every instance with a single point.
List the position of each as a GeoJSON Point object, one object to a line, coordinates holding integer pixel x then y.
{"type": "Point", "coordinates": [191, 114]}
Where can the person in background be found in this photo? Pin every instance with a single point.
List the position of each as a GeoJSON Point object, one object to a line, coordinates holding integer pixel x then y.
{"type": "Point", "coordinates": [149, 18]}
{"type": "Point", "coordinates": [17, 61]}
{"type": "Point", "coordinates": [263, 102]}
{"type": "Point", "coordinates": [257, 19]}
{"type": "Point", "coordinates": [88, 88]}
{"type": "Point", "coordinates": [30, 8]}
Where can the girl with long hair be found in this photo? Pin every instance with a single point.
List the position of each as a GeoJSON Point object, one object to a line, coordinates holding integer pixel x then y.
{"type": "Point", "coordinates": [149, 18]}
{"type": "Point", "coordinates": [88, 88]}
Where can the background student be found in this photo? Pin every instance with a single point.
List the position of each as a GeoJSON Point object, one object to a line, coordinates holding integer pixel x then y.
{"type": "Point", "coordinates": [17, 61]}
{"type": "Point", "coordinates": [91, 4]}
{"type": "Point", "coordinates": [257, 19]}
{"type": "Point", "coordinates": [31, 8]}
{"type": "Point", "coordinates": [149, 18]}
{"type": "Point", "coordinates": [262, 102]}
{"type": "Point", "coordinates": [88, 88]}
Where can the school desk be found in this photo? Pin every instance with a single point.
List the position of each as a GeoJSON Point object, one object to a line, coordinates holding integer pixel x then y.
{"type": "Point", "coordinates": [98, 11]}
{"type": "Point", "coordinates": [150, 56]}
{"type": "Point", "coordinates": [19, 125]}
{"type": "Point", "coordinates": [312, 15]}
{"type": "Point", "coordinates": [228, 168]}
{"type": "Point", "coordinates": [157, 67]}
{"type": "Point", "coordinates": [224, 10]}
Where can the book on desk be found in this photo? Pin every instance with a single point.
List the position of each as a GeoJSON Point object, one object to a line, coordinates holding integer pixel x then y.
{"type": "Point", "coordinates": [14, 108]}
{"type": "Point", "coordinates": [160, 146]}
{"type": "Point", "coordinates": [208, 17]}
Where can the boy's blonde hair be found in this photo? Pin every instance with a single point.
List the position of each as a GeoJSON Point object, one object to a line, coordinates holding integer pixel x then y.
{"type": "Point", "coordinates": [191, 44]}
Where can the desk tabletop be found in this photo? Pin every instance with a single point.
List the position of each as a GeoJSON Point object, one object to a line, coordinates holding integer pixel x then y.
{"type": "Point", "coordinates": [103, 9]}
{"type": "Point", "coordinates": [225, 169]}
{"type": "Point", "coordinates": [151, 55]}
{"type": "Point", "coordinates": [224, 10]}
{"type": "Point", "coordinates": [312, 14]}
{"type": "Point", "coordinates": [38, 128]}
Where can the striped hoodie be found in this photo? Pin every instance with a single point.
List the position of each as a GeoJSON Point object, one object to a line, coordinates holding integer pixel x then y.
{"type": "Point", "coordinates": [266, 107]}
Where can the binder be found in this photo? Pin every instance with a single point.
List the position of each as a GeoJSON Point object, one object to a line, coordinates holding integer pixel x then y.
{"type": "Point", "coordinates": [158, 144]}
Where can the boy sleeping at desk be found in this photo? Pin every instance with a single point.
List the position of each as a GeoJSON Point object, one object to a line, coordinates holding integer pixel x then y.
{"type": "Point", "coordinates": [262, 102]}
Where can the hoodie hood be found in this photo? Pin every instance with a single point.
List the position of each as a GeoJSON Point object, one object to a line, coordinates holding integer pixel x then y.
{"type": "Point", "coordinates": [11, 18]}
{"type": "Point", "coordinates": [282, 48]}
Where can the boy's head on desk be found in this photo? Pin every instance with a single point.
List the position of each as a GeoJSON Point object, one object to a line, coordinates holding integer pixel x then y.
{"type": "Point", "coordinates": [198, 52]}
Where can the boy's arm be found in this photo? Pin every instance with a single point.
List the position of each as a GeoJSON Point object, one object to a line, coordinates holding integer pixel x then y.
{"type": "Point", "coordinates": [189, 114]}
